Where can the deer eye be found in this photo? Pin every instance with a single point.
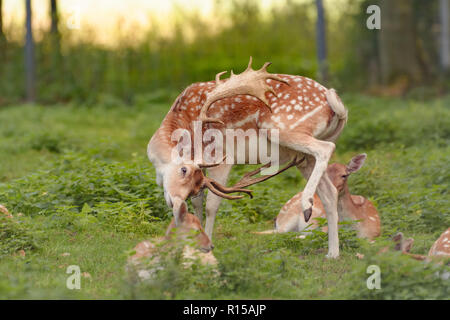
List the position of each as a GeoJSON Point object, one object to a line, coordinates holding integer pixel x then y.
{"type": "Point", "coordinates": [345, 176]}
{"type": "Point", "coordinates": [183, 170]}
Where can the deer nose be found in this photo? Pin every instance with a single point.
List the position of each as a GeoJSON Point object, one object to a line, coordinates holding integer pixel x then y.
{"type": "Point", "coordinates": [212, 246]}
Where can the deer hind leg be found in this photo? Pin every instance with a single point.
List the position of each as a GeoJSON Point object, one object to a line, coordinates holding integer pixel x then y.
{"type": "Point", "coordinates": [220, 174]}
{"type": "Point", "coordinates": [197, 203]}
{"type": "Point", "coordinates": [328, 196]}
{"type": "Point", "coordinates": [321, 151]}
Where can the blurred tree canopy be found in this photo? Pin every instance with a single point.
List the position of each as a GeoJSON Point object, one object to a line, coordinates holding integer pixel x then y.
{"type": "Point", "coordinates": [403, 55]}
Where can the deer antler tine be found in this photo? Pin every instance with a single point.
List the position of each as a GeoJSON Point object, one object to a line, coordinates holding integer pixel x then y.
{"type": "Point", "coordinates": [204, 165]}
{"type": "Point", "coordinates": [252, 173]}
{"type": "Point", "coordinates": [249, 67]}
{"type": "Point", "coordinates": [218, 76]}
{"type": "Point", "coordinates": [264, 67]}
{"type": "Point", "coordinates": [247, 181]}
{"type": "Point", "coordinates": [220, 193]}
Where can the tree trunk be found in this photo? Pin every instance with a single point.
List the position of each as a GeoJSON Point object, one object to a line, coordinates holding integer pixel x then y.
{"type": "Point", "coordinates": [54, 31]}
{"type": "Point", "coordinates": [398, 50]}
{"type": "Point", "coordinates": [444, 8]}
{"type": "Point", "coordinates": [2, 35]}
{"type": "Point", "coordinates": [321, 42]}
{"type": "Point", "coordinates": [29, 55]}
{"type": "Point", "coordinates": [54, 17]}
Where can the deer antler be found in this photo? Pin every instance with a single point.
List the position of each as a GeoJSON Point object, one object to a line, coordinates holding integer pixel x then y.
{"type": "Point", "coordinates": [251, 82]}
{"type": "Point", "coordinates": [219, 189]}
{"type": "Point", "coordinates": [210, 165]}
{"type": "Point", "coordinates": [222, 191]}
{"type": "Point", "coordinates": [246, 180]}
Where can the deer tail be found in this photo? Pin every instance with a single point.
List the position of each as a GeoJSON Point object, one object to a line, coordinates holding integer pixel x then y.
{"type": "Point", "coordinates": [338, 108]}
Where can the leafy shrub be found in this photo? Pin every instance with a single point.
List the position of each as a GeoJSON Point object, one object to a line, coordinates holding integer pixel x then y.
{"type": "Point", "coordinates": [79, 186]}
{"type": "Point", "coordinates": [317, 239]}
{"type": "Point", "coordinates": [401, 278]}
{"type": "Point", "coordinates": [373, 122]}
{"type": "Point", "coordinates": [15, 236]}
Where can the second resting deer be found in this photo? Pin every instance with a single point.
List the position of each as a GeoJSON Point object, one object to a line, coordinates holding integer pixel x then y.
{"type": "Point", "coordinates": [350, 206]}
{"type": "Point", "coordinates": [144, 262]}
{"type": "Point", "coordinates": [439, 250]}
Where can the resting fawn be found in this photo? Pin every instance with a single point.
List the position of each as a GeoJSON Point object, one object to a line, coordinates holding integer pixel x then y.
{"type": "Point", "coordinates": [5, 211]}
{"type": "Point", "coordinates": [439, 249]}
{"type": "Point", "coordinates": [189, 227]}
{"type": "Point", "coordinates": [349, 206]}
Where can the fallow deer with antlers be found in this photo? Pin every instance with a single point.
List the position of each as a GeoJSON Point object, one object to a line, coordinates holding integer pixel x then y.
{"type": "Point", "coordinates": [307, 116]}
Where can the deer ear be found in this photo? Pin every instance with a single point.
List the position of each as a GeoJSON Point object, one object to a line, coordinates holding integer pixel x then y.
{"type": "Point", "coordinates": [407, 245]}
{"type": "Point", "coordinates": [356, 163]}
{"type": "Point", "coordinates": [179, 210]}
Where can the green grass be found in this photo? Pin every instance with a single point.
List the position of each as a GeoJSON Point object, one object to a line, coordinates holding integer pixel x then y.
{"type": "Point", "coordinates": [80, 178]}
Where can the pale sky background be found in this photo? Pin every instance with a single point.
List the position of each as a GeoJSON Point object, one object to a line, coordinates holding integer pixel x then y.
{"type": "Point", "coordinates": [103, 16]}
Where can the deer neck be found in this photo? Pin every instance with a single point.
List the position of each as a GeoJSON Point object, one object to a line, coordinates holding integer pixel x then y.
{"type": "Point", "coordinates": [346, 205]}
{"type": "Point", "coordinates": [161, 144]}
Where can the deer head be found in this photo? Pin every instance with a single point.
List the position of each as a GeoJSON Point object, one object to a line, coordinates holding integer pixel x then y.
{"type": "Point", "coordinates": [188, 226]}
{"type": "Point", "coordinates": [181, 181]}
{"type": "Point", "coordinates": [339, 173]}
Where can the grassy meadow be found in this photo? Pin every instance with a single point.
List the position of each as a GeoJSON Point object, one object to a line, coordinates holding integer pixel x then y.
{"type": "Point", "coordinates": [82, 192]}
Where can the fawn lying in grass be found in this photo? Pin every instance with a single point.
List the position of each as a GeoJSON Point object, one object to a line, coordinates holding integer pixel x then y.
{"type": "Point", "coordinates": [189, 228]}
{"type": "Point", "coordinates": [440, 248]}
{"type": "Point", "coordinates": [5, 211]}
{"type": "Point", "coordinates": [349, 206]}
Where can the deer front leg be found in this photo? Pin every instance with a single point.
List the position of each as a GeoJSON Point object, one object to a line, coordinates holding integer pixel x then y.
{"type": "Point", "coordinates": [197, 203]}
{"type": "Point", "coordinates": [220, 174]}
{"type": "Point", "coordinates": [328, 196]}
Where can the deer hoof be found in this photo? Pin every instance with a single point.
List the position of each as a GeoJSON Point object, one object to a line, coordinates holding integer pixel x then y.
{"type": "Point", "coordinates": [307, 213]}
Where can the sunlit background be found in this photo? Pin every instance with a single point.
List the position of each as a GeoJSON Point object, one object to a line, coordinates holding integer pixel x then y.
{"type": "Point", "coordinates": [126, 49]}
{"type": "Point", "coordinates": [104, 17]}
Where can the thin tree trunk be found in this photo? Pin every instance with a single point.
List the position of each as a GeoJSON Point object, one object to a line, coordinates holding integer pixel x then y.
{"type": "Point", "coordinates": [398, 51]}
{"type": "Point", "coordinates": [29, 56]}
{"type": "Point", "coordinates": [54, 17]}
{"type": "Point", "coordinates": [321, 42]}
{"type": "Point", "coordinates": [2, 34]}
{"type": "Point", "coordinates": [444, 8]}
